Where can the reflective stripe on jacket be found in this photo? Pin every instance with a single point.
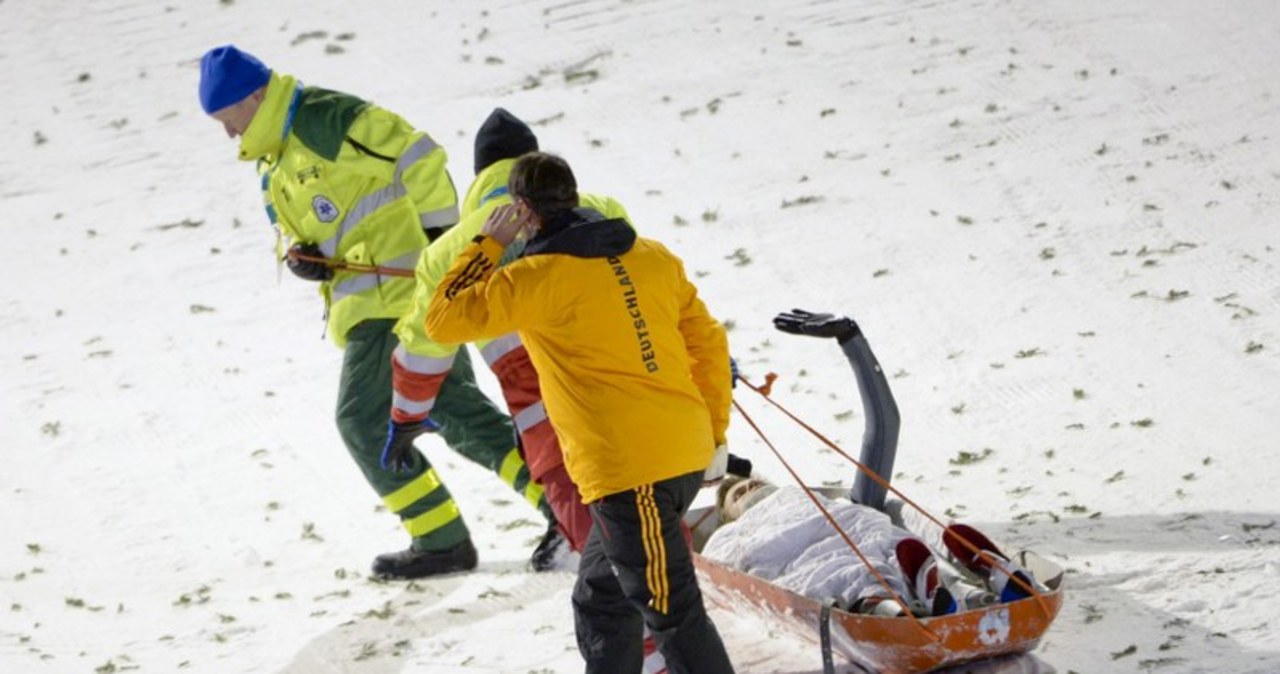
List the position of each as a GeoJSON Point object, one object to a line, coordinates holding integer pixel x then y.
{"type": "Point", "coordinates": [355, 179]}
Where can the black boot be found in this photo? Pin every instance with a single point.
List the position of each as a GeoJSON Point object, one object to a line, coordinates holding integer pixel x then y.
{"type": "Point", "coordinates": [544, 556]}
{"type": "Point", "coordinates": [409, 564]}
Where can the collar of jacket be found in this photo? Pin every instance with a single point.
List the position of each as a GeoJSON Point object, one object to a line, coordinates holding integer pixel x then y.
{"type": "Point", "coordinates": [265, 135]}
{"type": "Point", "coordinates": [491, 179]}
{"type": "Point", "coordinates": [582, 232]}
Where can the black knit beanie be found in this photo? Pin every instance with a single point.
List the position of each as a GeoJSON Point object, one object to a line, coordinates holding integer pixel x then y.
{"type": "Point", "coordinates": [502, 136]}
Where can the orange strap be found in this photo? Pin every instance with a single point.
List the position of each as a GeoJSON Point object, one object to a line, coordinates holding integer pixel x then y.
{"type": "Point", "coordinates": [353, 266]}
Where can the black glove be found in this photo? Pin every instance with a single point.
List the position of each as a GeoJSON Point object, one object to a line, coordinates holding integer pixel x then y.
{"type": "Point", "coordinates": [397, 453]}
{"type": "Point", "coordinates": [801, 322]}
{"type": "Point", "coordinates": [309, 270]}
{"type": "Point", "coordinates": [739, 466]}
{"type": "Point", "coordinates": [734, 374]}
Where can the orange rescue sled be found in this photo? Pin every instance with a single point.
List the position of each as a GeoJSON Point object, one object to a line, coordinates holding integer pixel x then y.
{"type": "Point", "coordinates": [891, 645]}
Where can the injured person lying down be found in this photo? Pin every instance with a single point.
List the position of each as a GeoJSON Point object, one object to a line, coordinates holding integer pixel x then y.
{"type": "Point", "coordinates": [777, 534]}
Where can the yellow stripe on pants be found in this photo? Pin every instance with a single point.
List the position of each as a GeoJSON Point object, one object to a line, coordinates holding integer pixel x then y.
{"type": "Point", "coordinates": [433, 519]}
{"type": "Point", "coordinates": [512, 464]}
{"type": "Point", "coordinates": [654, 548]}
{"type": "Point", "coordinates": [409, 494]}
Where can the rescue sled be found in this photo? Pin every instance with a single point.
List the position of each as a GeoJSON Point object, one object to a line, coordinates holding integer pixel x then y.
{"type": "Point", "coordinates": [891, 645]}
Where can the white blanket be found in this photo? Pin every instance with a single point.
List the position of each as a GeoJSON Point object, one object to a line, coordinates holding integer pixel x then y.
{"type": "Point", "coordinates": [785, 539]}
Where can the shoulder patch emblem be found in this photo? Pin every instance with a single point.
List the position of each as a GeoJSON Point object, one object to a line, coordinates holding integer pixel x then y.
{"type": "Point", "coordinates": [324, 208]}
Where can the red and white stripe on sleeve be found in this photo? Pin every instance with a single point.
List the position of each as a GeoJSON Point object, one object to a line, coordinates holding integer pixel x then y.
{"type": "Point", "coordinates": [416, 381]}
{"type": "Point", "coordinates": [510, 362]}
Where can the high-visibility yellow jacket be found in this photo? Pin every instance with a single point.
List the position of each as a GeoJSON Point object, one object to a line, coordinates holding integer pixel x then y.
{"type": "Point", "coordinates": [421, 364]}
{"type": "Point", "coordinates": [634, 369]}
{"type": "Point", "coordinates": [355, 179]}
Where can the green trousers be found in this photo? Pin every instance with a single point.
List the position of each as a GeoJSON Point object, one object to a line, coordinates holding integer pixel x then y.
{"type": "Point", "coordinates": [472, 426]}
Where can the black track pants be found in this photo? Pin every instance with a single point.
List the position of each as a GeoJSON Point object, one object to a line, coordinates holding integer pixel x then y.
{"type": "Point", "coordinates": [636, 569]}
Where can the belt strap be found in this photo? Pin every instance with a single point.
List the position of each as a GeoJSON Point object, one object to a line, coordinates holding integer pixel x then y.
{"type": "Point", "coordinates": [824, 634]}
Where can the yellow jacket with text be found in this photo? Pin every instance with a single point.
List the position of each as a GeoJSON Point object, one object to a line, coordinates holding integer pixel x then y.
{"type": "Point", "coordinates": [634, 369]}
{"type": "Point", "coordinates": [419, 364]}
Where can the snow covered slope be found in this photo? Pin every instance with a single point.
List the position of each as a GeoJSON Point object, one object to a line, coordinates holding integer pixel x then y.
{"type": "Point", "coordinates": [1056, 223]}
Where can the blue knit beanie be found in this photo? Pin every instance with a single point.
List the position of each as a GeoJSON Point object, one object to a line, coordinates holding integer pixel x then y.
{"type": "Point", "coordinates": [228, 75]}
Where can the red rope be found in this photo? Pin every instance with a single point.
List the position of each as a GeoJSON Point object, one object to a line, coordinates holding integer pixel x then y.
{"type": "Point", "coordinates": [764, 392]}
{"type": "Point", "coordinates": [840, 530]}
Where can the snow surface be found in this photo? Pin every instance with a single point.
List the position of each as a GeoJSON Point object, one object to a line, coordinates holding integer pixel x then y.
{"type": "Point", "coordinates": [1055, 222]}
